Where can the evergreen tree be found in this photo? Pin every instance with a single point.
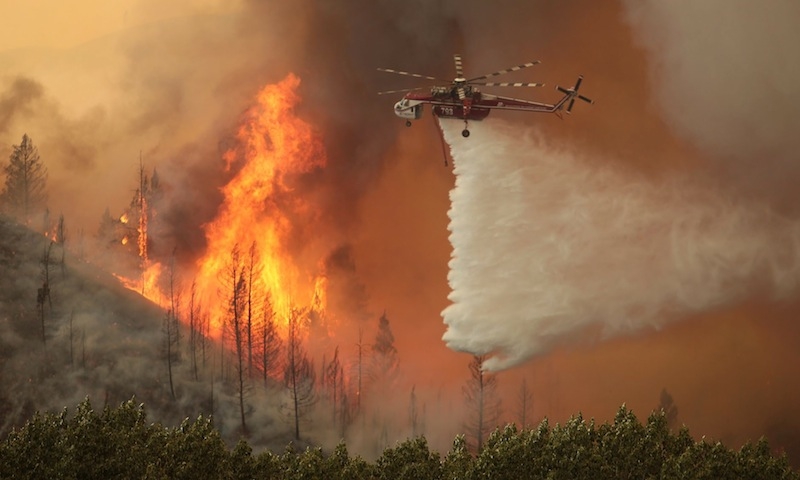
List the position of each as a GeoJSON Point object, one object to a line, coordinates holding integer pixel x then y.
{"type": "Point", "coordinates": [384, 354]}
{"type": "Point", "coordinates": [667, 404]}
{"type": "Point", "coordinates": [26, 180]}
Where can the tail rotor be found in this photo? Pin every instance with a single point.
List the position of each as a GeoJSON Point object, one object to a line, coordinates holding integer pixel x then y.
{"type": "Point", "coordinates": [572, 93]}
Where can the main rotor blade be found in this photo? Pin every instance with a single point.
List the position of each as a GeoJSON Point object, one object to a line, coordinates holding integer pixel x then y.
{"type": "Point", "coordinates": [507, 70]}
{"type": "Point", "coordinates": [404, 90]}
{"type": "Point", "coordinates": [507, 84]}
{"type": "Point", "coordinates": [408, 74]}
{"type": "Point", "coordinates": [459, 66]}
{"type": "Point", "coordinates": [578, 83]}
{"type": "Point", "coordinates": [586, 99]}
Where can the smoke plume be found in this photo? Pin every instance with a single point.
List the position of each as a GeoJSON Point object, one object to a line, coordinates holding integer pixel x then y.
{"type": "Point", "coordinates": [724, 76]}
{"type": "Point", "coordinates": [550, 246]}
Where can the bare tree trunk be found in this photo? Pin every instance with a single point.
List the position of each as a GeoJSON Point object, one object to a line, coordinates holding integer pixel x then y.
{"type": "Point", "coordinates": [71, 343]}
{"type": "Point", "coordinates": [238, 304]}
{"type": "Point", "coordinates": [194, 334]}
{"type": "Point", "coordinates": [360, 367]}
{"type": "Point", "coordinates": [83, 348]}
{"type": "Point", "coordinates": [43, 293]}
{"type": "Point", "coordinates": [168, 344]}
{"type": "Point", "coordinates": [525, 400]}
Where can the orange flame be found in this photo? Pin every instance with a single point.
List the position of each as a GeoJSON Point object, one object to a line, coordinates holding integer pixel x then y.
{"type": "Point", "coordinates": [274, 147]}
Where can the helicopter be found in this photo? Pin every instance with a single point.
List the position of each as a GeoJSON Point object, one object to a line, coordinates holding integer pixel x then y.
{"type": "Point", "coordinates": [463, 99]}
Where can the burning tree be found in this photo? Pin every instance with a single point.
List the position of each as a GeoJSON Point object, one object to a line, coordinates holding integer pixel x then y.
{"type": "Point", "coordinates": [480, 394]}
{"type": "Point", "coordinates": [298, 372]}
{"type": "Point", "coordinates": [26, 181]}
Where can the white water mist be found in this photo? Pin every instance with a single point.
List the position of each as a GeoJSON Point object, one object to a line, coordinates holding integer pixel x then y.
{"type": "Point", "coordinates": [550, 246]}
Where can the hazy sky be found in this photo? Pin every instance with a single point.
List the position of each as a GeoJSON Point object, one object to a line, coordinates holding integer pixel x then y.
{"type": "Point", "coordinates": [52, 23]}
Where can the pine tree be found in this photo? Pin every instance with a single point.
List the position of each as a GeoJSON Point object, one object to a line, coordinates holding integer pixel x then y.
{"type": "Point", "coordinates": [384, 354]}
{"type": "Point", "coordinates": [26, 180]}
{"type": "Point", "coordinates": [667, 405]}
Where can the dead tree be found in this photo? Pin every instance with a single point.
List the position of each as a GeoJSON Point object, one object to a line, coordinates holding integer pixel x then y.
{"type": "Point", "coordinates": [270, 342]}
{"type": "Point", "coordinates": [236, 324]}
{"type": "Point", "coordinates": [480, 394]}
{"type": "Point", "coordinates": [413, 414]}
{"type": "Point", "coordinates": [298, 372]}
{"type": "Point", "coordinates": [253, 272]}
{"type": "Point", "coordinates": [168, 327]}
{"type": "Point", "coordinates": [71, 341]}
{"type": "Point", "coordinates": [61, 241]}
{"type": "Point", "coordinates": [359, 368]}
{"type": "Point", "coordinates": [171, 326]}
{"type": "Point", "coordinates": [194, 327]}
{"type": "Point", "coordinates": [333, 379]}
{"type": "Point", "coordinates": [524, 403]}
{"type": "Point", "coordinates": [43, 293]}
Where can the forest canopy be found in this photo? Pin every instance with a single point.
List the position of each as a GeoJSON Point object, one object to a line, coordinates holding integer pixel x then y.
{"type": "Point", "coordinates": [119, 442]}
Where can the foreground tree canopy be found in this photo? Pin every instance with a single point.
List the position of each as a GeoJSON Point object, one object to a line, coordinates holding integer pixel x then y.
{"type": "Point", "coordinates": [120, 443]}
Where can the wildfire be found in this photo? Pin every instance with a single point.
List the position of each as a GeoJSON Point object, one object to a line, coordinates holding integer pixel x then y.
{"type": "Point", "coordinates": [274, 147]}
{"type": "Point", "coordinates": [148, 285]}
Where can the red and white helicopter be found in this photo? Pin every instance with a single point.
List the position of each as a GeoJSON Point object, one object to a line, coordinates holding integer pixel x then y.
{"type": "Point", "coordinates": [462, 99]}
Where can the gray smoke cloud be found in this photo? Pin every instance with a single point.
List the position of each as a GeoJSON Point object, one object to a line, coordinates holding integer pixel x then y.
{"type": "Point", "coordinates": [552, 247]}
{"type": "Point", "coordinates": [724, 76]}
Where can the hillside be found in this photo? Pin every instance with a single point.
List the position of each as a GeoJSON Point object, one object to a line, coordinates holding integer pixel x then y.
{"type": "Point", "coordinates": [102, 342]}
{"type": "Point", "coordinates": [114, 333]}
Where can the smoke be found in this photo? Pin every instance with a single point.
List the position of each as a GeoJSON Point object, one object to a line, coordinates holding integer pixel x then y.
{"type": "Point", "coordinates": [551, 247]}
{"type": "Point", "coordinates": [724, 76]}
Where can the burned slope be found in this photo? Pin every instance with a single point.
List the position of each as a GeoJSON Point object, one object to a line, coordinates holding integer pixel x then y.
{"type": "Point", "coordinates": [70, 331]}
